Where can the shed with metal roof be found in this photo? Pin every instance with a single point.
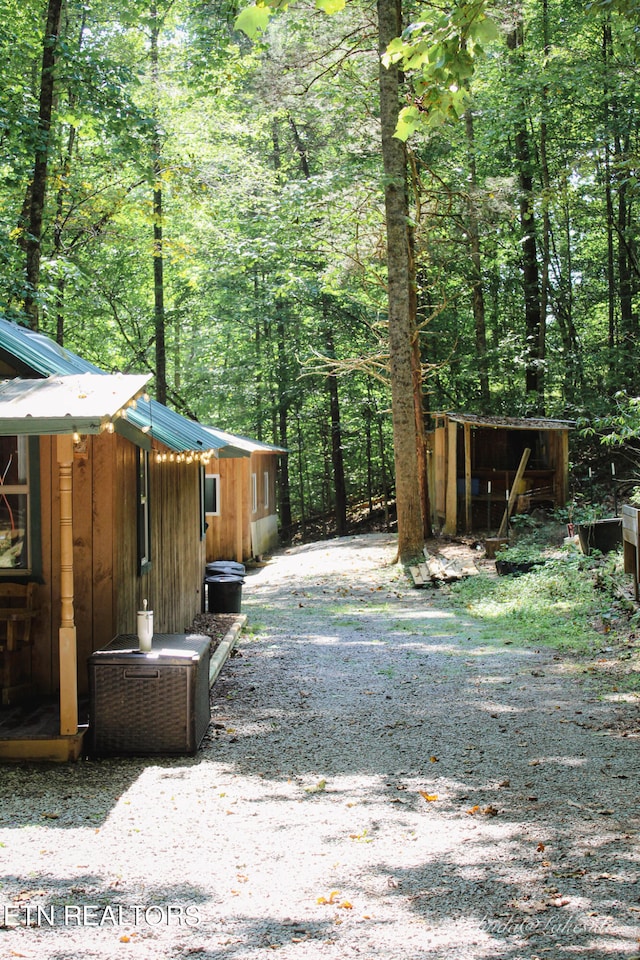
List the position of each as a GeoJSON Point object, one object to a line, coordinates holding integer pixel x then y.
{"type": "Point", "coordinates": [478, 464]}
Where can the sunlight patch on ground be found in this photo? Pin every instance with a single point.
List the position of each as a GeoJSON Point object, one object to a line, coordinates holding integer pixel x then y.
{"type": "Point", "coordinates": [560, 761]}
{"type": "Point", "coordinates": [492, 707]}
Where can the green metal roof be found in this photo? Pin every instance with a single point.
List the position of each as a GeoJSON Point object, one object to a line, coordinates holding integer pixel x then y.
{"type": "Point", "coordinates": [78, 403]}
{"type": "Point", "coordinates": [32, 353]}
{"type": "Point", "coordinates": [245, 443]}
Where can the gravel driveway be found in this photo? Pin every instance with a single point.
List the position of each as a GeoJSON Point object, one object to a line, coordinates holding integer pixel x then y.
{"type": "Point", "coordinates": [375, 783]}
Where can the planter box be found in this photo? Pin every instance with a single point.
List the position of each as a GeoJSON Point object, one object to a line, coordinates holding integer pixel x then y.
{"type": "Point", "coordinates": [602, 535]}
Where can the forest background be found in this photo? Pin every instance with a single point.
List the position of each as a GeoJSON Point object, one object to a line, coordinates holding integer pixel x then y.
{"type": "Point", "coordinates": [181, 199]}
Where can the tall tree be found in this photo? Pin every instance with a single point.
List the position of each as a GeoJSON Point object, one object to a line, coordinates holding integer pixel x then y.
{"type": "Point", "coordinates": [401, 321]}
{"type": "Point", "coordinates": [530, 272]}
{"type": "Point", "coordinates": [36, 192]}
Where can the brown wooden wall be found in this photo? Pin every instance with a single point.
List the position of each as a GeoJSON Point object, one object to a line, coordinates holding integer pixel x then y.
{"type": "Point", "coordinates": [229, 535]}
{"type": "Point", "coordinates": [173, 585]}
{"type": "Point", "coordinates": [108, 590]}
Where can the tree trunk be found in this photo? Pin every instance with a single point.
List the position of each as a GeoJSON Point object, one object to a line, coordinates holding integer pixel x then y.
{"type": "Point", "coordinates": [546, 221]}
{"type": "Point", "coordinates": [530, 274]}
{"type": "Point", "coordinates": [283, 420]}
{"type": "Point", "coordinates": [337, 460]}
{"type": "Point", "coordinates": [401, 328]}
{"type": "Point", "coordinates": [158, 240]}
{"type": "Point", "coordinates": [477, 289]}
{"type": "Point", "coordinates": [38, 188]}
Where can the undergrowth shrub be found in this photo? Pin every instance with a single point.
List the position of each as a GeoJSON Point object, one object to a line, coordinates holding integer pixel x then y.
{"type": "Point", "coordinates": [561, 603]}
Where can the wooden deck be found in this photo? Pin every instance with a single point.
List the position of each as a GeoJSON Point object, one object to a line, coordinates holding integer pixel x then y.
{"type": "Point", "coordinates": [31, 731]}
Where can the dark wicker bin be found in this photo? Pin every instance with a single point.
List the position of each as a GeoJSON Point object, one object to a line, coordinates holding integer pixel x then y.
{"type": "Point", "coordinates": [149, 703]}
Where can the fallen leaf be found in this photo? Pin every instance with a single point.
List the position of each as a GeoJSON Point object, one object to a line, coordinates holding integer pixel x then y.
{"type": "Point", "coordinates": [540, 847]}
{"type": "Point", "coordinates": [474, 809]}
{"type": "Point", "coordinates": [433, 759]}
{"type": "Point", "coordinates": [333, 896]}
{"type": "Point", "coordinates": [429, 797]}
{"type": "Point", "coordinates": [318, 788]}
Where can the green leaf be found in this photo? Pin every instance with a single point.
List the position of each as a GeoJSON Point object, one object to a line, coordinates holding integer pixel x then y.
{"type": "Point", "coordinates": [484, 31]}
{"type": "Point", "coordinates": [409, 121]}
{"type": "Point", "coordinates": [253, 20]}
{"type": "Point", "coordinates": [330, 6]}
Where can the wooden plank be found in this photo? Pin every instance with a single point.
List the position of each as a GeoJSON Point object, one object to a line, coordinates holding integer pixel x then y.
{"type": "Point", "coordinates": [467, 477]}
{"type": "Point", "coordinates": [83, 562]}
{"type": "Point", "coordinates": [104, 490]}
{"type": "Point", "coordinates": [631, 546]}
{"type": "Point", "coordinates": [513, 495]}
{"type": "Point", "coordinates": [67, 633]}
{"type": "Point", "coordinates": [451, 518]}
{"type": "Point", "coordinates": [46, 632]}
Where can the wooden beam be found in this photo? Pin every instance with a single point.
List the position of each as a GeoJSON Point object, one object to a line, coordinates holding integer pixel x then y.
{"type": "Point", "coordinates": [68, 653]}
{"type": "Point", "coordinates": [239, 518]}
{"type": "Point", "coordinates": [451, 504]}
{"type": "Point", "coordinates": [513, 496]}
{"type": "Point", "coordinates": [467, 477]}
{"type": "Point", "coordinates": [51, 749]}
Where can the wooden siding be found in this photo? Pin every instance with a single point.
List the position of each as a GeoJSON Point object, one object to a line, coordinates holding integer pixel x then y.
{"type": "Point", "coordinates": [172, 586]}
{"type": "Point", "coordinates": [229, 534]}
{"type": "Point", "coordinates": [108, 589]}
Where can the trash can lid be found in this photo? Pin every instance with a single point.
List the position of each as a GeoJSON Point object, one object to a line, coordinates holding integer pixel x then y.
{"type": "Point", "coordinates": [223, 565]}
{"type": "Point", "coordinates": [224, 578]}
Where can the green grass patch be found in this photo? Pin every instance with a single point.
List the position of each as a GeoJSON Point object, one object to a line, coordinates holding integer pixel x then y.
{"type": "Point", "coordinates": [556, 605]}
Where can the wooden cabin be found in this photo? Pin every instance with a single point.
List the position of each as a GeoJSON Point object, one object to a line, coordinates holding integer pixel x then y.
{"type": "Point", "coordinates": [101, 507]}
{"type": "Point", "coordinates": [240, 500]}
{"type": "Point", "coordinates": [475, 461]}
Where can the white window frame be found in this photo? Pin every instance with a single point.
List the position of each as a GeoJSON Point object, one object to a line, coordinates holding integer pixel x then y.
{"type": "Point", "coordinates": [212, 478]}
{"type": "Point", "coordinates": [254, 493]}
{"type": "Point", "coordinates": [266, 489]}
{"type": "Point", "coordinates": [21, 489]}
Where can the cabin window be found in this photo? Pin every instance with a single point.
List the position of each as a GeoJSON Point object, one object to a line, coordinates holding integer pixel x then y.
{"type": "Point", "coordinates": [144, 513]}
{"type": "Point", "coordinates": [265, 479]}
{"type": "Point", "coordinates": [15, 520]}
{"type": "Point", "coordinates": [212, 494]}
{"type": "Point", "coordinates": [254, 493]}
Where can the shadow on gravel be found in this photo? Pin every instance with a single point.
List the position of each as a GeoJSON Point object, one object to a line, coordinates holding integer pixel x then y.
{"type": "Point", "coordinates": [71, 796]}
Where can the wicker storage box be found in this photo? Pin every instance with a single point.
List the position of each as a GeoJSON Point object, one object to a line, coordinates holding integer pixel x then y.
{"type": "Point", "coordinates": [149, 703]}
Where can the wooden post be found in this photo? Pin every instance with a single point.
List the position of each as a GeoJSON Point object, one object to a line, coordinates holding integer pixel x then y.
{"type": "Point", "coordinates": [239, 474]}
{"type": "Point", "coordinates": [68, 653]}
{"type": "Point", "coordinates": [451, 505]}
{"type": "Point", "coordinates": [513, 496]}
{"type": "Point", "coordinates": [563, 485]}
{"type": "Point", "coordinates": [467, 477]}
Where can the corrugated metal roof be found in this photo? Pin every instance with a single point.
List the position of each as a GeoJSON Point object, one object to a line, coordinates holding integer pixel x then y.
{"type": "Point", "coordinates": [37, 353]}
{"type": "Point", "coordinates": [514, 423]}
{"type": "Point", "coordinates": [245, 443]}
{"type": "Point", "coordinates": [77, 403]}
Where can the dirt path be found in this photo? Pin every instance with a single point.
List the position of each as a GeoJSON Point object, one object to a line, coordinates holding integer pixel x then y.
{"type": "Point", "coordinates": [375, 784]}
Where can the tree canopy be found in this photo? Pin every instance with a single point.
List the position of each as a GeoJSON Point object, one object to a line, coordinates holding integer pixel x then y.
{"type": "Point", "coordinates": [251, 171]}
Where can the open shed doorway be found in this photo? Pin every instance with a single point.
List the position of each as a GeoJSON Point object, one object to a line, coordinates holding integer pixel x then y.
{"type": "Point", "coordinates": [474, 461]}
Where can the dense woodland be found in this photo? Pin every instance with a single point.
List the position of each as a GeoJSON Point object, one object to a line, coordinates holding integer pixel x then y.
{"type": "Point", "coordinates": [179, 198]}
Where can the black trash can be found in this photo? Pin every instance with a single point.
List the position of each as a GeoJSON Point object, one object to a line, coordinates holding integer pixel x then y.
{"type": "Point", "coordinates": [224, 593]}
